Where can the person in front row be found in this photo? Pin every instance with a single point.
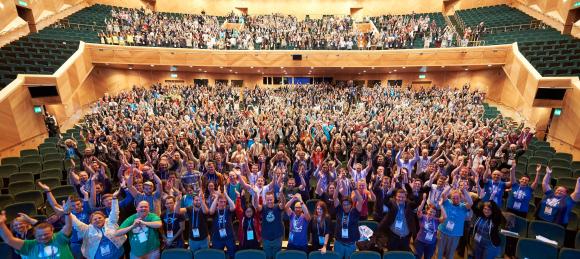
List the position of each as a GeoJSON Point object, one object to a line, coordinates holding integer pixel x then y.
{"type": "Point", "coordinates": [47, 244]}
{"type": "Point", "coordinates": [197, 215]}
{"type": "Point", "coordinates": [346, 230]}
{"type": "Point", "coordinates": [222, 234]}
{"type": "Point", "coordinates": [142, 229]}
{"type": "Point", "coordinates": [456, 209]}
{"type": "Point", "coordinates": [397, 223]}
{"type": "Point", "coordinates": [272, 226]}
{"type": "Point", "coordinates": [299, 218]}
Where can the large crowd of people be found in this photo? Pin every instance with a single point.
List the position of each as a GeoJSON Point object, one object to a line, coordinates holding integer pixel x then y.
{"type": "Point", "coordinates": [276, 31]}
{"type": "Point", "coordinates": [182, 166]}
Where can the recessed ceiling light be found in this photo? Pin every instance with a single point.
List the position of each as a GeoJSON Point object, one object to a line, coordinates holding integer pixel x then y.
{"type": "Point", "coordinates": [199, 69]}
{"type": "Point", "coordinates": [236, 72]}
{"type": "Point", "coordinates": [466, 69]}
{"type": "Point", "coordinates": [404, 67]}
{"type": "Point", "coordinates": [130, 68]}
{"type": "Point", "coordinates": [489, 65]}
{"type": "Point", "coordinates": [106, 64]}
{"type": "Point", "coordinates": [282, 67]}
{"type": "Point", "coordinates": [190, 66]}
{"type": "Point", "coordinates": [258, 71]}
{"type": "Point", "coordinates": [221, 67]}
{"type": "Point", "coordinates": [152, 65]}
{"type": "Point", "coordinates": [390, 72]}
{"type": "Point", "coordinates": [205, 71]}
{"type": "Point", "coordinates": [341, 67]}
{"type": "Point", "coordinates": [230, 70]}
{"type": "Point", "coordinates": [311, 67]}
{"type": "Point", "coordinates": [395, 70]}
{"type": "Point", "coordinates": [364, 71]}
{"type": "Point", "coordinates": [251, 67]}
{"type": "Point", "coordinates": [372, 67]}
{"type": "Point", "coordinates": [442, 66]}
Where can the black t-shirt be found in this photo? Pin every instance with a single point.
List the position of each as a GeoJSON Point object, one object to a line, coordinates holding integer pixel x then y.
{"type": "Point", "coordinates": [198, 221]}
{"type": "Point", "coordinates": [320, 229]}
{"type": "Point", "coordinates": [171, 222]}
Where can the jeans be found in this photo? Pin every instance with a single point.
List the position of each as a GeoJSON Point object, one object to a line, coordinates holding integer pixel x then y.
{"type": "Point", "coordinates": [446, 246]}
{"type": "Point", "coordinates": [344, 250]}
{"type": "Point", "coordinates": [229, 243]}
{"type": "Point", "coordinates": [396, 243]}
{"type": "Point", "coordinates": [423, 250]}
{"type": "Point", "coordinates": [198, 245]}
{"type": "Point", "coordinates": [271, 247]}
{"type": "Point", "coordinates": [485, 250]}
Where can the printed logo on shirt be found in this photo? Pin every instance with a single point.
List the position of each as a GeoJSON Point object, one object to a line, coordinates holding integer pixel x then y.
{"type": "Point", "coordinates": [270, 217]}
{"type": "Point", "coordinates": [49, 251]}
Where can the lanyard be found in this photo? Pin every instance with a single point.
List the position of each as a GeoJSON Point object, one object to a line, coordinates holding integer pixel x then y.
{"type": "Point", "coordinates": [318, 226]}
{"type": "Point", "coordinates": [194, 219]}
{"type": "Point", "coordinates": [249, 228]}
{"type": "Point", "coordinates": [172, 221]}
{"type": "Point", "coordinates": [220, 215]}
{"type": "Point", "coordinates": [347, 219]}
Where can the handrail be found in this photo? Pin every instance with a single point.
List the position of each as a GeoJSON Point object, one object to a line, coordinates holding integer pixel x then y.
{"type": "Point", "coordinates": [67, 24]}
{"type": "Point", "coordinates": [515, 27]}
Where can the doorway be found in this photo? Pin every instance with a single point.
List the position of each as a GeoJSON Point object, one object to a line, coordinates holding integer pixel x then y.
{"type": "Point", "coordinates": [26, 14]}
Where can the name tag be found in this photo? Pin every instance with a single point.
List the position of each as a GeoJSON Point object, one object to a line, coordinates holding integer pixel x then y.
{"type": "Point", "coordinates": [250, 235]}
{"type": "Point", "coordinates": [517, 205]}
{"type": "Point", "coordinates": [450, 225]}
{"type": "Point", "coordinates": [548, 210]}
{"type": "Point", "coordinates": [223, 232]}
{"type": "Point", "coordinates": [105, 250]}
{"type": "Point", "coordinates": [477, 237]}
{"type": "Point", "coordinates": [142, 237]}
{"type": "Point", "coordinates": [169, 233]}
{"type": "Point", "coordinates": [509, 162]}
{"type": "Point", "coordinates": [385, 209]}
{"type": "Point", "coordinates": [428, 236]}
{"type": "Point", "coordinates": [344, 233]}
{"type": "Point", "coordinates": [399, 224]}
{"type": "Point", "coordinates": [195, 232]}
{"type": "Point", "coordinates": [321, 240]}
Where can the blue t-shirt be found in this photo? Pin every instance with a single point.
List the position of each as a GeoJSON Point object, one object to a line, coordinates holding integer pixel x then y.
{"type": "Point", "coordinates": [298, 230]}
{"type": "Point", "coordinates": [272, 226]}
{"type": "Point", "coordinates": [108, 250]}
{"type": "Point", "coordinates": [519, 197]}
{"type": "Point", "coordinates": [349, 222]}
{"type": "Point", "coordinates": [556, 210]}
{"type": "Point", "coordinates": [495, 191]}
{"type": "Point", "coordinates": [456, 214]}
{"type": "Point", "coordinates": [428, 230]}
{"type": "Point", "coordinates": [222, 221]}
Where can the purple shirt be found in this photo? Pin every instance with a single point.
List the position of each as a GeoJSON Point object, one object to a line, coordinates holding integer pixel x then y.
{"type": "Point", "coordinates": [428, 230]}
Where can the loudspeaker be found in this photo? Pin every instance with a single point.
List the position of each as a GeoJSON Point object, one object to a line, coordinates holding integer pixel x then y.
{"type": "Point", "coordinates": [296, 57]}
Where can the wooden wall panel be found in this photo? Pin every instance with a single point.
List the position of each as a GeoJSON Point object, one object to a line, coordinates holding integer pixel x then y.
{"type": "Point", "coordinates": [301, 8]}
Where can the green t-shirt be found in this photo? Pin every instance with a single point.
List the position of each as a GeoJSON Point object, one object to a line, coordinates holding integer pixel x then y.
{"type": "Point", "coordinates": [57, 248]}
{"type": "Point", "coordinates": [143, 240]}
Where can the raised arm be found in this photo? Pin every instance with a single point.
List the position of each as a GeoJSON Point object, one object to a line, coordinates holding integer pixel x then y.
{"type": "Point", "coordinates": [422, 205]}
{"type": "Point", "coordinates": [546, 181]}
{"type": "Point", "coordinates": [576, 194]}
{"type": "Point", "coordinates": [132, 190]}
{"type": "Point", "coordinates": [467, 197]}
{"type": "Point", "coordinates": [287, 208]}
{"type": "Point", "coordinates": [7, 236]}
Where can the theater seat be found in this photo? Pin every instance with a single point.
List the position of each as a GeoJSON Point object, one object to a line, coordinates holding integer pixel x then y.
{"type": "Point", "coordinates": [398, 255]}
{"type": "Point", "coordinates": [365, 255]}
{"type": "Point", "coordinates": [250, 254]}
{"type": "Point", "coordinates": [209, 254]}
{"type": "Point", "coordinates": [319, 255]}
{"type": "Point", "coordinates": [569, 253]}
{"type": "Point", "coordinates": [175, 253]}
{"type": "Point", "coordinates": [532, 248]}
{"type": "Point", "coordinates": [291, 254]}
{"type": "Point", "coordinates": [546, 229]}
